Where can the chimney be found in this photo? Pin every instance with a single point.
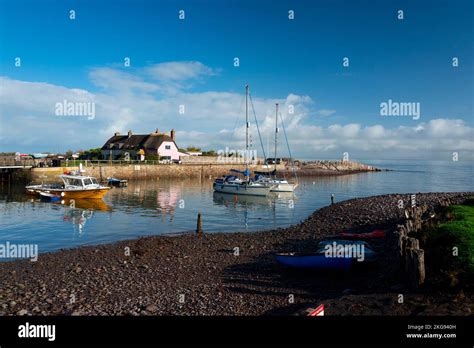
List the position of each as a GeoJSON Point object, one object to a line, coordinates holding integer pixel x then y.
{"type": "Point", "coordinates": [116, 134]}
{"type": "Point", "coordinates": [129, 133]}
{"type": "Point", "coordinates": [173, 135]}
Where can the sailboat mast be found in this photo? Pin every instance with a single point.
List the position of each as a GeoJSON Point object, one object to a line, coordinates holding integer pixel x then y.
{"type": "Point", "coordinates": [246, 131]}
{"type": "Point", "coordinates": [276, 133]}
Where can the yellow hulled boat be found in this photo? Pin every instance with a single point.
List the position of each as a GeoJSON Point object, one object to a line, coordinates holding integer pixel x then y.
{"type": "Point", "coordinates": [74, 187]}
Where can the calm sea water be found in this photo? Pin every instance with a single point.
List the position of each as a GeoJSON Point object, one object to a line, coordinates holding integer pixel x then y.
{"type": "Point", "coordinates": [171, 206]}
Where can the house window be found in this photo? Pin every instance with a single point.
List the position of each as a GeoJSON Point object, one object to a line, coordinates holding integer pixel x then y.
{"type": "Point", "coordinates": [168, 147]}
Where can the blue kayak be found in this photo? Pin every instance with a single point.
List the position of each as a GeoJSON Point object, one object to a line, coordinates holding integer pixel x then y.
{"type": "Point", "coordinates": [346, 254]}
{"type": "Point", "coordinates": [314, 261]}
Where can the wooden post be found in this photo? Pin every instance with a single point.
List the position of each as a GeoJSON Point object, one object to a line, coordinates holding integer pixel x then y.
{"type": "Point", "coordinates": [9, 181]}
{"type": "Point", "coordinates": [398, 241]}
{"type": "Point", "coordinates": [412, 243]}
{"type": "Point", "coordinates": [414, 261]}
{"type": "Point", "coordinates": [419, 263]}
{"type": "Point", "coordinates": [332, 198]}
{"type": "Point", "coordinates": [199, 225]}
{"type": "Point", "coordinates": [415, 264]}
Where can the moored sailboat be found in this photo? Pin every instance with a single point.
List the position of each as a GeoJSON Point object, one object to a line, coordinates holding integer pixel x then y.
{"type": "Point", "coordinates": [279, 185]}
{"type": "Point", "coordinates": [243, 186]}
{"type": "Point", "coordinates": [238, 186]}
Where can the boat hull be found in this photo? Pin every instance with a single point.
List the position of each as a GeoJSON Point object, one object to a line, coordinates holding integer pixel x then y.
{"type": "Point", "coordinates": [238, 189]}
{"type": "Point", "coordinates": [278, 185]}
{"type": "Point", "coordinates": [86, 194]}
{"type": "Point", "coordinates": [71, 194]}
{"type": "Point", "coordinates": [49, 196]}
{"type": "Point", "coordinates": [366, 235]}
{"type": "Point", "coordinates": [316, 261]}
{"type": "Point", "coordinates": [117, 182]}
{"type": "Point", "coordinates": [284, 187]}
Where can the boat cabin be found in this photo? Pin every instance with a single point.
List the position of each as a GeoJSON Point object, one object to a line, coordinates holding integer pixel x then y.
{"type": "Point", "coordinates": [77, 181]}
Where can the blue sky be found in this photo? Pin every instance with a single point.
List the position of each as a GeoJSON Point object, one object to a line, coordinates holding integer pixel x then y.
{"type": "Point", "coordinates": [290, 61]}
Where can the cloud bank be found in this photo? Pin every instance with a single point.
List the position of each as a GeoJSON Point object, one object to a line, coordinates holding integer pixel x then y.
{"type": "Point", "coordinates": [152, 97]}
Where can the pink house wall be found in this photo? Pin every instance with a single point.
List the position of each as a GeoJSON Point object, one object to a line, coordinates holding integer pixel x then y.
{"type": "Point", "coordinates": [173, 151]}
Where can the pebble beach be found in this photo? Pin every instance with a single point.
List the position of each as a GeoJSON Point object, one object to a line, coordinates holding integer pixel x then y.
{"type": "Point", "coordinates": [226, 273]}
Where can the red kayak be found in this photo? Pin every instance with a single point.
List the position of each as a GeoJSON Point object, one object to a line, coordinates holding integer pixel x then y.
{"type": "Point", "coordinates": [366, 235]}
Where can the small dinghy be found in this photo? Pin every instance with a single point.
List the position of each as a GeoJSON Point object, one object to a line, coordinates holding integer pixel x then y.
{"type": "Point", "coordinates": [369, 254]}
{"type": "Point", "coordinates": [365, 235]}
{"type": "Point", "coordinates": [343, 242]}
{"type": "Point", "coordinates": [117, 182]}
{"type": "Point", "coordinates": [346, 254]}
{"type": "Point", "coordinates": [314, 261]}
{"type": "Point", "coordinates": [49, 196]}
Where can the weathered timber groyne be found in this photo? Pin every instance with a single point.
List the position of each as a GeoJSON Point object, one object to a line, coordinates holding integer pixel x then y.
{"type": "Point", "coordinates": [406, 245]}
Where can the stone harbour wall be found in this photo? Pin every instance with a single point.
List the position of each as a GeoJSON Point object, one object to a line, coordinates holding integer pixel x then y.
{"type": "Point", "coordinates": [140, 171]}
{"type": "Point", "coordinates": [196, 169]}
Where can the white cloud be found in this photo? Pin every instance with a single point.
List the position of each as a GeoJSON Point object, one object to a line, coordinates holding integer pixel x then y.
{"type": "Point", "coordinates": [179, 71]}
{"type": "Point", "coordinates": [443, 128]}
{"type": "Point", "coordinates": [113, 80]}
{"type": "Point", "coordinates": [29, 98]}
{"type": "Point", "coordinates": [348, 131]}
{"type": "Point", "coordinates": [212, 119]}
{"type": "Point", "coordinates": [374, 132]}
{"type": "Point", "coordinates": [326, 112]}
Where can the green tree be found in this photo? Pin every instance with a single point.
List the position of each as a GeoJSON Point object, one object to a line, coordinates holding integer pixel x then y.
{"type": "Point", "coordinates": [152, 157]}
{"type": "Point", "coordinates": [91, 154]}
{"type": "Point", "coordinates": [209, 153]}
{"type": "Point", "coordinates": [193, 149]}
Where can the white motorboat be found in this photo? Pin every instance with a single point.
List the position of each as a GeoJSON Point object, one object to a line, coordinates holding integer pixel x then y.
{"type": "Point", "coordinates": [74, 186]}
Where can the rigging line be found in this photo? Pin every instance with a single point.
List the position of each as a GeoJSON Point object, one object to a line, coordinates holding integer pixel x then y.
{"type": "Point", "coordinates": [258, 129]}
{"type": "Point", "coordinates": [288, 145]}
{"type": "Point", "coordinates": [239, 114]}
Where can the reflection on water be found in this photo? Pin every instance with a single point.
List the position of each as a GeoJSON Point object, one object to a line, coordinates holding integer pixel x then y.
{"type": "Point", "coordinates": [86, 204]}
{"type": "Point", "coordinates": [254, 201]}
{"type": "Point", "coordinates": [78, 211]}
{"type": "Point", "coordinates": [171, 205]}
{"type": "Point", "coordinates": [78, 218]}
{"type": "Point", "coordinates": [151, 198]}
{"type": "Point", "coordinates": [239, 207]}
